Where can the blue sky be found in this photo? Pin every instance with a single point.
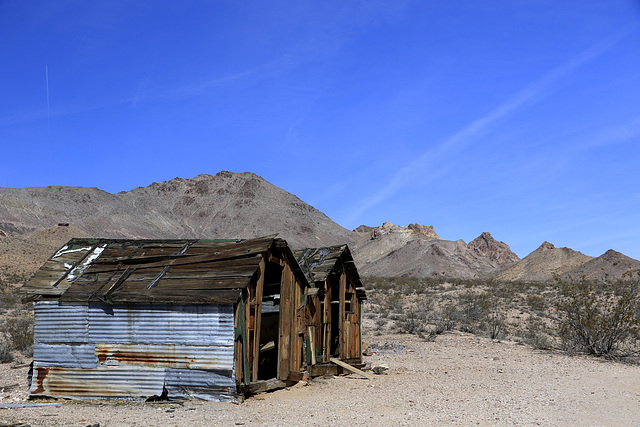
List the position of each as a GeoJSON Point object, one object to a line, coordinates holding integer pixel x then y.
{"type": "Point", "coordinates": [521, 118]}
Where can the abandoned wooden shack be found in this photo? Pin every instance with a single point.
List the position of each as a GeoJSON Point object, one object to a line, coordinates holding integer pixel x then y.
{"type": "Point", "coordinates": [207, 319]}
{"type": "Point", "coordinates": [334, 308]}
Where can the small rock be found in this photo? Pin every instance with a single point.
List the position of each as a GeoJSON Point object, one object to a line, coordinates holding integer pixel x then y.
{"type": "Point", "coordinates": [380, 369]}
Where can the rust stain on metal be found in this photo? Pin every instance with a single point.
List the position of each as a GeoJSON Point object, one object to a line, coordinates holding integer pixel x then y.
{"type": "Point", "coordinates": [137, 356]}
{"type": "Point", "coordinates": [41, 375]}
{"type": "Point", "coordinates": [102, 353]}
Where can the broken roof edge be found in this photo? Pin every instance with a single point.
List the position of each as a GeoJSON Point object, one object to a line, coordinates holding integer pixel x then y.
{"type": "Point", "coordinates": [56, 276]}
{"type": "Point", "coordinates": [328, 258]}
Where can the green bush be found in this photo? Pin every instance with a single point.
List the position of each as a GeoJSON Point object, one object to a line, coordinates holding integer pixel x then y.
{"type": "Point", "coordinates": [496, 318]}
{"type": "Point", "coordinates": [18, 332]}
{"type": "Point", "coordinates": [601, 319]}
{"type": "Point", "coordinates": [412, 321]}
{"type": "Point", "coordinates": [444, 319]}
{"type": "Point", "coordinates": [537, 334]}
{"type": "Point", "coordinates": [6, 353]}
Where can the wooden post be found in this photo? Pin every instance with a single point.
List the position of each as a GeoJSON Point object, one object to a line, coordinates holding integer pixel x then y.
{"type": "Point", "coordinates": [341, 323]}
{"type": "Point", "coordinates": [326, 320]}
{"type": "Point", "coordinates": [312, 345]}
{"type": "Point", "coordinates": [257, 307]}
{"type": "Point", "coordinates": [297, 325]}
{"type": "Point", "coordinates": [359, 329]}
{"type": "Point", "coordinates": [284, 340]}
{"type": "Point", "coordinates": [246, 343]}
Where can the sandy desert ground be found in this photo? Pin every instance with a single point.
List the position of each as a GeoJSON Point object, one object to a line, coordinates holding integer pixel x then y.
{"type": "Point", "coordinates": [459, 379]}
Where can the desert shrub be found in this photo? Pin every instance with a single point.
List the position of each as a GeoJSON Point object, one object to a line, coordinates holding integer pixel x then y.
{"type": "Point", "coordinates": [413, 320]}
{"type": "Point", "coordinates": [471, 311]}
{"type": "Point", "coordinates": [6, 353]}
{"type": "Point", "coordinates": [536, 302]}
{"type": "Point", "coordinates": [601, 319]}
{"type": "Point", "coordinates": [9, 300]}
{"type": "Point", "coordinates": [18, 332]}
{"type": "Point", "coordinates": [536, 334]}
{"type": "Point", "coordinates": [444, 318]}
{"type": "Point", "coordinates": [482, 312]}
{"type": "Point", "coordinates": [380, 323]}
{"type": "Point", "coordinates": [394, 303]}
{"type": "Point", "coordinates": [496, 318]}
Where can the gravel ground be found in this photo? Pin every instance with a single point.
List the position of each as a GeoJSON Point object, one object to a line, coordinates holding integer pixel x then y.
{"type": "Point", "coordinates": [459, 379]}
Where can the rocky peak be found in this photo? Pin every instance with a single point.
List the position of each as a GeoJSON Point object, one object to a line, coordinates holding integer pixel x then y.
{"type": "Point", "coordinates": [363, 229]}
{"type": "Point", "coordinates": [611, 254]}
{"type": "Point", "coordinates": [485, 245]}
{"type": "Point", "coordinates": [411, 231]}
{"type": "Point", "coordinates": [545, 246]}
{"type": "Point", "coordinates": [424, 230]}
{"type": "Point", "coordinates": [616, 259]}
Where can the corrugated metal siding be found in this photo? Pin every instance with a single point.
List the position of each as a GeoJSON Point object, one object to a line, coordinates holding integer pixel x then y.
{"type": "Point", "coordinates": [65, 355]}
{"type": "Point", "coordinates": [169, 355]}
{"type": "Point", "coordinates": [203, 385]}
{"type": "Point", "coordinates": [113, 381]}
{"type": "Point", "coordinates": [161, 324]}
{"type": "Point", "coordinates": [61, 324]}
{"type": "Point", "coordinates": [104, 350]}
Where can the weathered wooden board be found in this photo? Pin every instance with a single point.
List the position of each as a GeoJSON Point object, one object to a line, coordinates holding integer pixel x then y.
{"type": "Point", "coordinates": [350, 368]}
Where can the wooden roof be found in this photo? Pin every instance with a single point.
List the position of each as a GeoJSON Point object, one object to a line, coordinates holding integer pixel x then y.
{"type": "Point", "coordinates": [318, 263]}
{"type": "Point", "coordinates": [181, 271]}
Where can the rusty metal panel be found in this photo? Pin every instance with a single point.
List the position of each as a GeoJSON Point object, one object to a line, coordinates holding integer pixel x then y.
{"type": "Point", "coordinates": [133, 351]}
{"type": "Point", "coordinates": [167, 355]}
{"type": "Point", "coordinates": [60, 324]}
{"type": "Point", "coordinates": [196, 325]}
{"type": "Point", "coordinates": [114, 381]}
{"type": "Point", "coordinates": [204, 385]}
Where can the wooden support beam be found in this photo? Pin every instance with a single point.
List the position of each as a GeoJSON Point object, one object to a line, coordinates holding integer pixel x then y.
{"type": "Point", "coordinates": [350, 368]}
{"type": "Point", "coordinates": [284, 342]}
{"type": "Point", "coordinates": [257, 319]}
{"type": "Point", "coordinates": [262, 386]}
{"type": "Point", "coordinates": [311, 337]}
{"type": "Point", "coordinates": [295, 376]}
{"type": "Point", "coordinates": [342, 335]}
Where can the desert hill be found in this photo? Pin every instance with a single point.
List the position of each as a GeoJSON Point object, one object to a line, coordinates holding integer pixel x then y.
{"type": "Point", "coordinates": [543, 264]}
{"type": "Point", "coordinates": [610, 265]}
{"type": "Point", "coordinates": [244, 205]}
{"type": "Point", "coordinates": [22, 254]}
{"type": "Point", "coordinates": [227, 205]}
{"type": "Point", "coordinates": [392, 250]}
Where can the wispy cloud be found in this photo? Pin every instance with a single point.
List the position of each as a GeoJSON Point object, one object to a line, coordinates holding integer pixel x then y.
{"type": "Point", "coordinates": [199, 88]}
{"type": "Point", "coordinates": [617, 134]}
{"type": "Point", "coordinates": [424, 165]}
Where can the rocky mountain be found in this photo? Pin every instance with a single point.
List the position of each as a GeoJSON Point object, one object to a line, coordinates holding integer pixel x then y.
{"type": "Point", "coordinates": [416, 250]}
{"type": "Point", "coordinates": [543, 264]}
{"type": "Point", "coordinates": [610, 265]}
{"type": "Point", "coordinates": [227, 205]}
{"type": "Point", "coordinates": [243, 205]}
{"type": "Point", "coordinates": [499, 252]}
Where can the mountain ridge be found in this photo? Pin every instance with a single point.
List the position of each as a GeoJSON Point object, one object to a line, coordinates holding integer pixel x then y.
{"type": "Point", "coordinates": [244, 205]}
